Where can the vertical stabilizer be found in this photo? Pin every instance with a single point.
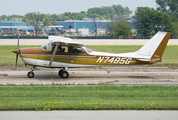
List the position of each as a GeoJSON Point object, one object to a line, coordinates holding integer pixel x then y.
{"type": "Point", "coordinates": [155, 47]}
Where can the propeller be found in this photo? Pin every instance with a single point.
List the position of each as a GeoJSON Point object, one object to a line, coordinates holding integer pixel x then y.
{"type": "Point", "coordinates": [17, 53]}
{"type": "Point", "coordinates": [16, 61]}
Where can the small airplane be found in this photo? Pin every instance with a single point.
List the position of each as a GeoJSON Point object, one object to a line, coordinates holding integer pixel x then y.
{"type": "Point", "coordinates": [64, 53]}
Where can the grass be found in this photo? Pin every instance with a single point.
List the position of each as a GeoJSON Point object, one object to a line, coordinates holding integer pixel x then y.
{"type": "Point", "coordinates": [170, 56]}
{"type": "Point", "coordinates": [7, 57]}
{"type": "Point", "coordinates": [89, 98]}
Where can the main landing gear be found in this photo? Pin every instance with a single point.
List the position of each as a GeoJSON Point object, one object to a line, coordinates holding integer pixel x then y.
{"type": "Point", "coordinates": [62, 73]}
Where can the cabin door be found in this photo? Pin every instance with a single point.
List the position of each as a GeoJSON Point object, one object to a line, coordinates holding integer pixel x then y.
{"type": "Point", "coordinates": [62, 57]}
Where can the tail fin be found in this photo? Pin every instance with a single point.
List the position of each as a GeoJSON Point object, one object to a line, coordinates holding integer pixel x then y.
{"type": "Point", "coordinates": [155, 47]}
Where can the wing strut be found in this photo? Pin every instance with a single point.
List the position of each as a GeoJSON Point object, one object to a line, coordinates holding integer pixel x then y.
{"type": "Point", "coordinates": [54, 52]}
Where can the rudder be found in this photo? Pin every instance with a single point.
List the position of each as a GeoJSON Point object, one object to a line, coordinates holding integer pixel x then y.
{"type": "Point", "coordinates": [156, 57]}
{"type": "Point", "coordinates": [155, 47]}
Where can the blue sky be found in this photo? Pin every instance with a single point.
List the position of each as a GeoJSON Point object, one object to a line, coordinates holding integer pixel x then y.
{"type": "Point", "coordinates": [21, 7]}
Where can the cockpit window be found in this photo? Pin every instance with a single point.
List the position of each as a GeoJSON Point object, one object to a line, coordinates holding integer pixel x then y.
{"type": "Point", "coordinates": [62, 49]}
{"type": "Point", "coordinates": [47, 46]}
{"type": "Point", "coordinates": [76, 50]}
{"type": "Point", "coordinates": [88, 50]}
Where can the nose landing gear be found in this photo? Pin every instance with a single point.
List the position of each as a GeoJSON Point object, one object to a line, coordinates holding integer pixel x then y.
{"type": "Point", "coordinates": [31, 73]}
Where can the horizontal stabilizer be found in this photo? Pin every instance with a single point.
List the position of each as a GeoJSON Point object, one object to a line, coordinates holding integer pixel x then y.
{"type": "Point", "coordinates": [143, 60]}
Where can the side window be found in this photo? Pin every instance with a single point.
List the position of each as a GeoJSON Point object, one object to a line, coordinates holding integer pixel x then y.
{"type": "Point", "coordinates": [76, 50]}
{"type": "Point", "coordinates": [62, 49]}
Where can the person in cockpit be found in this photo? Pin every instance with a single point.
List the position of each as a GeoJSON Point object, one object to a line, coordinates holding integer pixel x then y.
{"type": "Point", "coordinates": [60, 49]}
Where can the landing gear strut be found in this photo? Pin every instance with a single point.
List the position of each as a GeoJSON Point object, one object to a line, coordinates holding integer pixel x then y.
{"type": "Point", "coordinates": [31, 73]}
{"type": "Point", "coordinates": [63, 74]}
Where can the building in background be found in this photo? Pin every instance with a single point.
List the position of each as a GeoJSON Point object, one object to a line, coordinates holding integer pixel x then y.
{"type": "Point", "coordinates": [8, 28]}
{"type": "Point", "coordinates": [85, 27]}
{"type": "Point", "coordinates": [68, 27]}
{"type": "Point", "coordinates": [22, 28]}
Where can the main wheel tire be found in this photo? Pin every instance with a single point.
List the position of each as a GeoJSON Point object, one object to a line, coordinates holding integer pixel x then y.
{"type": "Point", "coordinates": [59, 73]}
{"type": "Point", "coordinates": [64, 74]}
{"type": "Point", "coordinates": [31, 74]}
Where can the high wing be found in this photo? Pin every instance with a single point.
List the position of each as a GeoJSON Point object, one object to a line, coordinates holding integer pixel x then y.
{"type": "Point", "coordinates": [57, 40]}
{"type": "Point", "coordinates": [64, 41]}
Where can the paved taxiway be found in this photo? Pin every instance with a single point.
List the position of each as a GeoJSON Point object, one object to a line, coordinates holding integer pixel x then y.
{"type": "Point", "coordinates": [82, 76]}
{"type": "Point", "coordinates": [90, 115]}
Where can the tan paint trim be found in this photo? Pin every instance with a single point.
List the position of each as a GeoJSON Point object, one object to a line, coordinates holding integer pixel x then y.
{"type": "Point", "coordinates": [156, 57]}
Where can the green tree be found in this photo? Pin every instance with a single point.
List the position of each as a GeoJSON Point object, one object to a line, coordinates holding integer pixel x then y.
{"type": "Point", "coordinates": [37, 21]}
{"type": "Point", "coordinates": [119, 10]}
{"type": "Point", "coordinates": [107, 12]}
{"type": "Point", "coordinates": [52, 17]}
{"type": "Point", "coordinates": [174, 28]}
{"type": "Point", "coordinates": [122, 28]}
{"type": "Point", "coordinates": [92, 15]}
{"type": "Point", "coordinates": [148, 21]}
{"type": "Point", "coordinates": [3, 17]}
{"type": "Point", "coordinates": [11, 17]}
{"type": "Point", "coordinates": [111, 26]}
{"type": "Point", "coordinates": [169, 7]}
{"type": "Point", "coordinates": [94, 25]}
{"type": "Point", "coordinates": [14, 17]}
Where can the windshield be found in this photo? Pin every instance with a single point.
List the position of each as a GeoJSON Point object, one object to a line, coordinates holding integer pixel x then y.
{"type": "Point", "coordinates": [47, 46]}
{"type": "Point", "coordinates": [88, 50]}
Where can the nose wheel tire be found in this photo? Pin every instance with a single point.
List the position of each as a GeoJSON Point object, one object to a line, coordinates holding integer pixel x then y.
{"type": "Point", "coordinates": [63, 74]}
{"type": "Point", "coordinates": [31, 74]}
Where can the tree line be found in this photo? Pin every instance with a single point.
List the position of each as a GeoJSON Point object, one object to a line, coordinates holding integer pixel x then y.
{"type": "Point", "coordinates": [103, 13]}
